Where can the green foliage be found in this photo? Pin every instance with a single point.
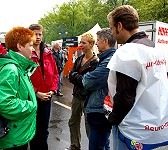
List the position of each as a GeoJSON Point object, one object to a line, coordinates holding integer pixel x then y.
{"type": "Point", "coordinates": [78, 16]}
{"type": "Point", "coordinates": [150, 10]}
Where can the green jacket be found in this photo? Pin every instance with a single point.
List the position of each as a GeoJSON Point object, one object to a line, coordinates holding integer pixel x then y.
{"type": "Point", "coordinates": [17, 99]}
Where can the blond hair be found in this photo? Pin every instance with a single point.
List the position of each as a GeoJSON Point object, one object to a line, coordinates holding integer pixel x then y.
{"type": "Point", "coordinates": [89, 37]}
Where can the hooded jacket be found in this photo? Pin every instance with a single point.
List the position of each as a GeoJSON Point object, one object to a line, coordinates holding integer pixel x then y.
{"type": "Point", "coordinates": [17, 99]}
{"type": "Point", "coordinates": [2, 50]}
{"type": "Point", "coordinates": [45, 78]}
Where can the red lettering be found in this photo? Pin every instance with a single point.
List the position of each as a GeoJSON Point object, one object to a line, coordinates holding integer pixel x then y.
{"type": "Point", "coordinates": [166, 124]}
{"type": "Point", "coordinates": [149, 64]}
{"type": "Point", "coordinates": [139, 146]}
{"type": "Point", "coordinates": [156, 128]}
{"type": "Point", "coordinates": [163, 31]}
{"type": "Point", "coordinates": [157, 63]}
{"type": "Point", "coordinates": [147, 127]}
{"type": "Point", "coordinates": [162, 41]}
{"type": "Point", "coordinates": [160, 31]}
{"type": "Point", "coordinates": [152, 128]}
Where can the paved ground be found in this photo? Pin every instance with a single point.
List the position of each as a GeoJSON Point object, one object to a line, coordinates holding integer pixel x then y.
{"type": "Point", "coordinates": [59, 138]}
{"type": "Point", "coordinates": [59, 130]}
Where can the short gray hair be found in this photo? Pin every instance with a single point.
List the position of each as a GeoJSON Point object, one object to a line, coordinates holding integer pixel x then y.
{"type": "Point", "coordinates": [106, 33]}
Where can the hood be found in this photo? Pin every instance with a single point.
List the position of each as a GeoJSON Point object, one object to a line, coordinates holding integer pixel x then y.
{"type": "Point", "coordinates": [28, 66]}
{"type": "Point", "coordinates": [4, 59]}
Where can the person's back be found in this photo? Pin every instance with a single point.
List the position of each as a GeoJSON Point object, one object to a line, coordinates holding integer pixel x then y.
{"type": "Point", "coordinates": [17, 98]}
{"type": "Point", "coordinates": [130, 80]}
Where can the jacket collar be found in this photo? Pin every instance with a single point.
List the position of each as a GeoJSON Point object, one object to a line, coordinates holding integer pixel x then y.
{"type": "Point", "coordinates": [106, 53]}
{"type": "Point", "coordinates": [28, 66]}
{"type": "Point", "coordinates": [138, 35]}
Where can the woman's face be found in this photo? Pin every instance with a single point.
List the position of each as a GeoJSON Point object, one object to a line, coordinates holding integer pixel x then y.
{"type": "Point", "coordinates": [85, 45]}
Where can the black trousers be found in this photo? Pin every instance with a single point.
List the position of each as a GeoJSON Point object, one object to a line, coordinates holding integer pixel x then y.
{"type": "Point", "coordinates": [23, 147]}
{"type": "Point", "coordinates": [39, 142]}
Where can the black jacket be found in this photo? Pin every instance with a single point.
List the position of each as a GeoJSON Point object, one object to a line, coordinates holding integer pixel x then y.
{"type": "Point", "coordinates": [59, 60]}
{"type": "Point", "coordinates": [75, 75]}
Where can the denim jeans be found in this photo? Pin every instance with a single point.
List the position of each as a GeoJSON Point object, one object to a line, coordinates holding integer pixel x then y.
{"type": "Point", "coordinates": [60, 82]}
{"type": "Point", "coordinates": [100, 131]}
{"type": "Point", "coordinates": [117, 143]}
{"type": "Point", "coordinates": [107, 146]}
{"type": "Point", "coordinates": [39, 142]}
{"type": "Point", "coordinates": [99, 137]}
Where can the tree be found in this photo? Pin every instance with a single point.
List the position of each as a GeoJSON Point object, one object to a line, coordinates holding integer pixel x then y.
{"type": "Point", "coordinates": [78, 16]}
{"type": "Point", "coordinates": [74, 17]}
{"type": "Point", "coordinates": [150, 10]}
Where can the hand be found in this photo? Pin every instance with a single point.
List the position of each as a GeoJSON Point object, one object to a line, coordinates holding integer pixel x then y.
{"type": "Point", "coordinates": [44, 96]}
{"type": "Point", "coordinates": [72, 77]}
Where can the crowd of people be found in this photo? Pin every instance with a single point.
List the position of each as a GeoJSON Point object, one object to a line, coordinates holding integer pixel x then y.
{"type": "Point", "coordinates": [128, 77]}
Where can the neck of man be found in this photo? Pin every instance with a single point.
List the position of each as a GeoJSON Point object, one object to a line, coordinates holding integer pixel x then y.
{"type": "Point", "coordinates": [130, 33]}
{"type": "Point", "coordinates": [89, 54]}
{"type": "Point", "coordinates": [36, 47]}
{"type": "Point", "coordinates": [56, 50]}
{"type": "Point", "coordinates": [107, 47]}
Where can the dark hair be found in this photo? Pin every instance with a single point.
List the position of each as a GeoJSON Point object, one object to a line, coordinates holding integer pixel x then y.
{"type": "Point", "coordinates": [125, 14]}
{"type": "Point", "coordinates": [106, 33]}
{"type": "Point", "coordinates": [36, 27]}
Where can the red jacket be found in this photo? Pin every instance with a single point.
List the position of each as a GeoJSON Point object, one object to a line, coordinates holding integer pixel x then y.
{"type": "Point", "coordinates": [2, 50]}
{"type": "Point", "coordinates": [48, 80]}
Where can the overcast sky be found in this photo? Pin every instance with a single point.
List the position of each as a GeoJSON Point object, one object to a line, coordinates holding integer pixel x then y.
{"type": "Point", "coordinates": [24, 12]}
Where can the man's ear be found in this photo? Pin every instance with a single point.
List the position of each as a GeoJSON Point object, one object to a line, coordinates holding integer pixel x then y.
{"type": "Point", "coordinates": [120, 26]}
{"type": "Point", "coordinates": [19, 47]}
{"type": "Point", "coordinates": [106, 40]}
